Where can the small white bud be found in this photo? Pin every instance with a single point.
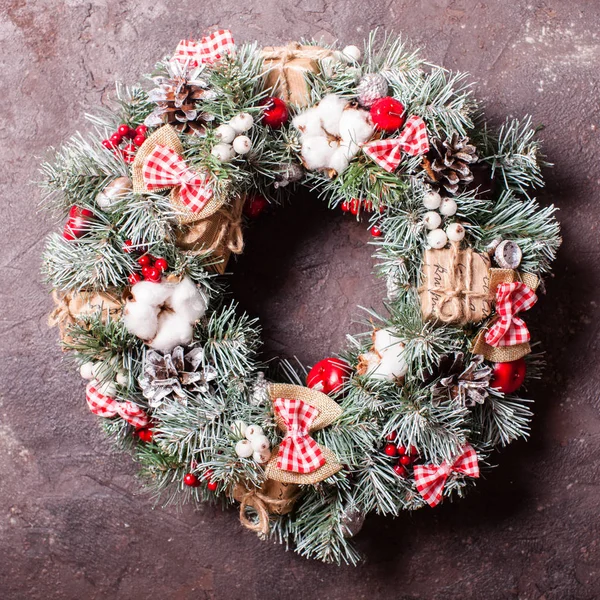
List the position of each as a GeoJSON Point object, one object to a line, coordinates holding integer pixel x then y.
{"type": "Point", "coordinates": [448, 207]}
{"type": "Point", "coordinates": [437, 238]}
{"type": "Point", "coordinates": [242, 144]}
{"type": "Point", "coordinates": [260, 443]}
{"type": "Point", "coordinates": [225, 133]}
{"type": "Point", "coordinates": [351, 54]}
{"type": "Point", "coordinates": [86, 370]}
{"type": "Point", "coordinates": [239, 428]}
{"type": "Point", "coordinates": [223, 152]}
{"type": "Point", "coordinates": [455, 232]}
{"type": "Point", "coordinates": [432, 220]}
{"type": "Point", "coordinates": [432, 200]}
{"type": "Point", "coordinates": [122, 378]}
{"type": "Point", "coordinates": [244, 449]}
{"type": "Point", "coordinates": [253, 430]}
{"type": "Point", "coordinates": [262, 457]}
{"type": "Point", "coordinates": [242, 122]}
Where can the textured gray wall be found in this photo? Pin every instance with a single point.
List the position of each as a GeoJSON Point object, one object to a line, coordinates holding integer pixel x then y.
{"type": "Point", "coordinates": [74, 521]}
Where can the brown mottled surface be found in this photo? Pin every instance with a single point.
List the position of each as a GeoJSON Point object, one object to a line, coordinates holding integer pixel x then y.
{"type": "Point", "coordinates": [74, 522]}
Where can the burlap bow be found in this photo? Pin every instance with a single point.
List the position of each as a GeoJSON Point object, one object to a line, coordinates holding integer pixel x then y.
{"type": "Point", "coordinates": [285, 69]}
{"type": "Point", "coordinates": [298, 412]}
{"type": "Point", "coordinates": [412, 140]}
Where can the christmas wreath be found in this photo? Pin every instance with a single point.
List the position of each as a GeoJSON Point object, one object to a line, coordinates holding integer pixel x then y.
{"type": "Point", "coordinates": [156, 197]}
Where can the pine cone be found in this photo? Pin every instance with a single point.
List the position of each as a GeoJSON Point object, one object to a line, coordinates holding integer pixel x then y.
{"type": "Point", "coordinates": [176, 96]}
{"type": "Point", "coordinates": [450, 160]}
{"type": "Point", "coordinates": [371, 87]}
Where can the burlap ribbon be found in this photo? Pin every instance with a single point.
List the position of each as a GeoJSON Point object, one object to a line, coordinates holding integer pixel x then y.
{"type": "Point", "coordinates": [71, 306]}
{"type": "Point", "coordinates": [285, 68]}
{"type": "Point", "coordinates": [455, 285]}
{"type": "Point", "coordinates": [504, 353]}
{"type": "Point", "coordinates": [167, 136]}
{"type": "Point", "coordinates": [272, 498]}
{"type": "Point", "coordinates": [329, 411]}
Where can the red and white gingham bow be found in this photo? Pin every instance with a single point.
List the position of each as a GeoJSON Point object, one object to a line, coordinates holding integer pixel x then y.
{"type": "Point", "coordinates": [105, 406]}
{"type": "Point", "coordinates": [430, 479]}
{"type": "Point", "coordinates": [298, 452]}
{"type": "Point", "coordinates": [509, 330]}
{"type": "Point", "coordinates": [164, 168]}
{"type": "Point", "coordinates": [387, 153]}
{"type": "Point", "coordinates": [209, 49]}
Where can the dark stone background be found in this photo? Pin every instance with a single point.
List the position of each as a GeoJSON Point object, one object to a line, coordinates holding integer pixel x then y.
{"type": "Point", "coordinates": [74, 521]}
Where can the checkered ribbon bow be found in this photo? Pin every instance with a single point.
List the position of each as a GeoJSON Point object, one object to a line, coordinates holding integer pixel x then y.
{"type": "Point", "coordinates": [431, 479]}
{"type": "Point", "coordinates": [105, 406]}
{"type": "Point", "coordinates": [510, 330]}
{"type": "Point", "coordinates": [298, 452]}
{"type": "Point", "coordinates": [387, 153]}
{"type": "Point", "coordinates": [164, 168]}
{"type": "Point", "coordinates": [209, 49]}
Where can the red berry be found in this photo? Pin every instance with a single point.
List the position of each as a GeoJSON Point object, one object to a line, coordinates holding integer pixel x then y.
{"type": "Point", "coordinates": [401, 449]}
{"type": "Point", "coordinates": [328, 375]}
{"type": "Point", "coordinates": [107, 144]}
{"type": "Point", "coordinates": [116, 139]}
{"type": "Point", "coordinates": [152, 274]}
{"type": "Point", "coordinates": [400, 470]}
{"type": "Point", "coordinates": [123, 130]}
{"type": "Point", "coordinates": [388, 114]}
{"type": "Point", "coordinates": [161, 264]}
{"type": "Point", "coordinates": [191, 480]}
{"type": "Point", "coordinates": [375, 231]}
{"type": "Point", "coordinates": [141, 130]}
{"type": "Point", "coordinates": [391, 437]}
{"type": "Point", "coordinates": [146, 270]}
{"type": "Point", "coordinates": [405, 460]}
{"type": "Point", "coordinates": [145, 434]}
{"type": "Point", "coordinates": [508, 377]}
{"type": "Point", "coordinates": [368, 205]}
{"type": "Point", "coordinates": [127, 246]}
{"type": "Point", "coordinates": [144, 260]}
{"type": "Point", "coordinates": [354, 206]}
{"type": "Point", "coordinates": [275, 112]}
{"type": "Point", "coordinates": [413, 451]}
{"type": "Point", "coordinates": [138, 140]}
{"type": "Point", "coordinates": [254, 206]}
{"type": "Point", "coordinates": [390, 449]}
{"type": "Point", "coordinates": [207, 474]}
{"type": "Point", "coordinates": [134, 278]}
{"type": "Point", "coordinates": [212, 486]}
{"type": "Point", "coordinates": [345, 206]}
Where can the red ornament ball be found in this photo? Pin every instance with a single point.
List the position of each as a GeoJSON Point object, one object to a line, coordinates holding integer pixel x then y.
{"type": "Point", "coordinates": [161, 264]}
{"type": "Point", "coordinates": [127, 246]}
{"type": "Point", "coordinates": [400, 470]}
{"type": "Point", "coordinates": [390, 450]}
{"type": "Point", "coordinates": [191, 480]}
{"type": "Point", "coordinates": [328, 375]}
{"type": "Point", "coordinates": [388, 114]}
{"type": "Point", "coordinates": [116, 139]}
{"type": "Point", "coordinates": [78, 223]}
{"type": "Point", "coordinates": [375, 231]}
{"type": "Point", "coordinates": [254, 206]}
{"type": "Point", "coordinates": [275, 112]}
{"type": "Point", "coordinates": [152, 274]}
{"type": "Point", "coordinates": [141, 130]}
{"type": "Point", "coordinates": [508, 377]}
{"type": "Point", "coordinates": [107, 144]}
{"type": "Point", "coordinates": [401, 450]}
{"type": "Point", "coordinates": [212, 486]}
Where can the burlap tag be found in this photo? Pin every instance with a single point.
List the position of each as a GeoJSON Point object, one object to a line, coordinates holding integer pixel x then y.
{"type": "Point", "coordinates": [285, 69]}
{"type": "Point", "coordinates": [504, 353]}
{"type": "Point", "coordinates": [71, 306]}
{"type": "Point", "coordinates": [220, 234]}
{"type": "Point", "coordinates": [167, 136]}
{"type": "Point", "coordinates": [455, 285]}
{"type": "Point", "coordinates": [329, 411]}
{"type": "Point", "coordinates": [272, 498]}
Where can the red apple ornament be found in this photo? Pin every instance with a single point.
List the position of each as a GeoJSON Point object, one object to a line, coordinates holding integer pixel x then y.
{"type": "Point", "coordinates": [388, 114]}
{"type": "Point", "coordinates": [78, 223]}
{"type": "Point", "coordinates": [509, 376]}
{"type": "Point", "coordinates": [328, 375]}
{"type": "Point", "coordinates": [254, 206]}
{"type": "Point", "coordinates": [275, 112]}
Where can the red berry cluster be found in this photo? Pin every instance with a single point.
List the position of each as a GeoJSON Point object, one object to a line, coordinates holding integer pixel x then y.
{"type": "Point", "coordinates": [124, 132]}
{"type": "Point", "coordinates": [354, 207]}
{"type": "Point", "coordinates": [192, 480]}
{"type": "Point", "coordinates": [406, 456]}
{"type": "Point", "coordinates": [78, 223]}
{"type": "Point", "coordinates": [151, 268]}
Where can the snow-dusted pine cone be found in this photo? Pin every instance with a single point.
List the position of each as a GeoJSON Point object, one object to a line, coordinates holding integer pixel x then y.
{"type": "Point", "coordinates": [371, 87]}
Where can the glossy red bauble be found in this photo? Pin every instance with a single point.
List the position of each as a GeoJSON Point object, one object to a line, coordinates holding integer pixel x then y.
{"type": "Point", "coordinates": [127, 246]}
{"type": "Point", "coordinates": [141, 130]}
{"type": "Point", "coordinates": [254, 206]}
{"type": "Point", "coordinates": [116, 139]}
{"type": "Point", "coordinates": [401, 450]}
{"type": "Point", "coordinates": [508, 377]}
{"type": "Point", "coordinates": [328, 375]}
{"type": "Point", "coordinates": [391, 437]}
{"type": "Point", "coordinates": [275, 112]}
{"type": "Point", "coordinates": [78, 223]}
{"type": "Point", "coordinates": [191, 480]}
{"type": "Point", "coordinates": [152, 274]}
{"type": "Point", "coordinates": [138, 140]}
{"type": "Point", "coordinates": [123, 130]}
{"type": "Point", "coordinates": [390, 450]}
{"type": "Point", "coordinates": [107, 144]}
{"type": "Point", "coordinates": [345, 206]}
{"type": "Point", "coordinates": [145, 260]}
{"type": "Point", "coordinates": [388, 114]}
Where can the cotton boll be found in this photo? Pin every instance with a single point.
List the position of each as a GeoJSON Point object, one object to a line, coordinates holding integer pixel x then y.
{"type": "Point", "coordinates": [187, 302]}
{"type": "Point", "coordinates": [391, 349]}
{"type": "Point", "coordinates": [308, 123]}
{"type": "Point", "coordinates": [339, 161]}
{"type": "Point", "coordinates": [391, 367]}
{"type": "Point", "coordinates": [173, 330]}
{"type": "Point", "coordinates": [152, 294]}
{"type": "Point", "coordinates": [356, 126]}
{"type": "Point", "coordinates": [141, 319]}
{"type": "Point", "coordinates": [317, 152]}
{"type": "Point", "coordinates": [330, 111]}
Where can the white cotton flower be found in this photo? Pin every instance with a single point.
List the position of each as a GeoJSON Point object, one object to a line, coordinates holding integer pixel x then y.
{"type": "Point", "coordinates": [187, 301]}
{"type": "Point", "coordinates": [141, 319]}
{"type": "Point", "coordinates": [151, 293]}
{"type": "Point", "coordinates": [173, 330]}
{"type": "Point", "coordinates": [308, 123]}
{"type": "Point", "coordinates": [386, 360]}
{"type": "Point", "coordinates": [317, 152]}
{"type": "Point", "coordinates": [356, 126]}
{"type": "Point", "coordinates": [330, 111]}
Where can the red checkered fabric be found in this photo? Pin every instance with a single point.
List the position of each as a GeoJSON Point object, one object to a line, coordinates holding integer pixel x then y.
{"type": "Point", "coordinates": [431, 479]}
{"type": "Point", "coordinates": [105, 406]}
{"type": "Point", "coordinates": [510, 330]}
{"type": "Point", "coordinates": [164, 168]}
{"type": "Point", "coordinates": [387, 153]}
{"type": "Point", "coordinates": [208, 50]}
{"type": "Point", "coordinates": [298, 452]}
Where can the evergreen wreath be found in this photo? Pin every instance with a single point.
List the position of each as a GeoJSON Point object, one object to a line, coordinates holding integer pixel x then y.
{"type": "Point", "coordinates": [156, 196]}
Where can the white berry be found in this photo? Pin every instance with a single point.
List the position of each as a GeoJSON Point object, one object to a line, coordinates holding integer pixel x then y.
{"type": "Point", "coordinates": [455, 232]}
{"type": "Point", "coordinates": [448, 207]}
{"type": "Point", "coordinates": [225, 133]}
{"type": "Point", "coordinates": [262, 457]}
{"type": "Point", "coordinates": [108, 389]}
{"type": "Point", "coordinates": [224, 152]}
{"type": "Point", "coordinates": [244, 449]}
{"type": "Point", "coordinates": [260, 443]}
{"type": "Point", "coordinates": [437, 238]}
{"type": "Point", "coordinates": [253, 430]}
{"type": "Point", "coordinates": [432, 200]}
{"type": "Point", "coordinates": [87, 370]}
{"type": "Point", "coordinates": [239, 428]}
{"type": "Point", "coordinates": [432, 219]}
{"type": "Point", "coordinates": [242, 144]}
{"type": "Point", "coordinates": [122, 378]}
{"type": "Point", "coordinates": [352, 53]}
{"type": "Point", "coordinates": [242, 122]}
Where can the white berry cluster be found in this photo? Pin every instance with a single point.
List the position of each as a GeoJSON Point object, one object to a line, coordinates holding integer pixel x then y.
{"type": "Point", "coordinates": [436, 208]}
{"type": "Point", "coordinates": [254, 442]}
{"type": "Point", "coordinates": [98, 370]}
{"type": "Point", "coordinates": [232, 141]}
